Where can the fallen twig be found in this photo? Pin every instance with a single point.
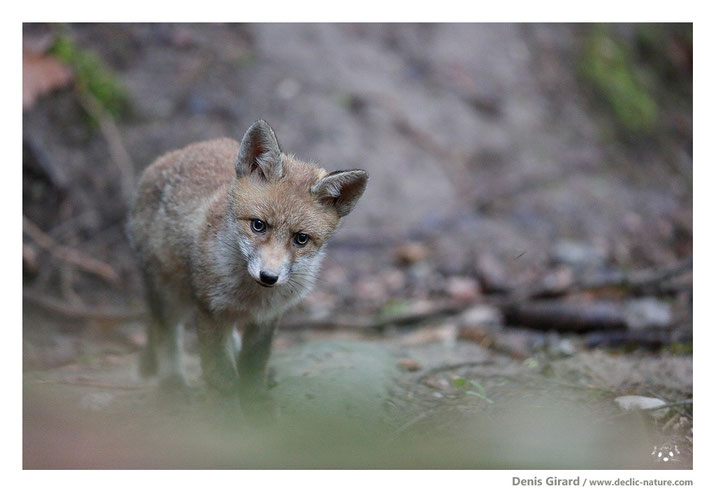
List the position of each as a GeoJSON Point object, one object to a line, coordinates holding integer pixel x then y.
{"type": "Point", "coordinates": [373, 324]}
{"type": "Point", "coordinates": [684, 402]}
{"type": "Point", "coordinates": [76, 311]}
{"type": "Point", "coordinates": [650, 339]}
{"type": "Point", "coordinates": [117, 150]}
{"type": "Point", "coordinates": [98, 385]}
{"type": "Point", "coordinates": [449, 367]}
{"type": "Point", "coordinates": [519, 309]}
{"type": "Point", "coordinates": [67, 254]}
{"type": "Point", "coordinates": [567, 317]}
{"type": "Point", "coordinates": [55, 174]}
{"type": "Point", "coordinates": [635, 282]}
{"type": "Point", "coordinates": [409, 424]}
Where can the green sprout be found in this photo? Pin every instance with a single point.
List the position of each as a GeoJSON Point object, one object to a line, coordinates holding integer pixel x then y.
{"type": "Point", "coordinates": [91, 74]}
{"type": "Point", "coordinates": [481, 393]}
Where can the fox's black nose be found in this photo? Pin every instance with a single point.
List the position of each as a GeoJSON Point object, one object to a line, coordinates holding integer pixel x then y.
{"type": "Point", "coordinates": [268, 277]}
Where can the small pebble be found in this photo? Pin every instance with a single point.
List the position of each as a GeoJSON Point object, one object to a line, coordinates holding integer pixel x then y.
{"type": "Point", "coordinates": [647, 312]}
{"type": "Point", "coordinates": [96, 401]}
{"type": "Point", "coordinates": [639, 402]}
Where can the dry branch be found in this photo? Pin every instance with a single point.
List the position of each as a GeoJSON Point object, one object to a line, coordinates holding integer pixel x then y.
{"type": "Point", "coordinates": [99, 385]}
{"type": "Point", "coordinates": [117, 150]}
{"type": "Point", "coordinates": [79, 311]}
{"type": "Point", "coordinates": [633, 283]}
{"type": "Point", "coordinates": [373, 324]}
{"type": "Point", "coordinates": [520, 307]}
{"type": "Point", "coordinates": [29, 259]}
{"type": "Point", "coordinates": [54, 173]}
{"type": "Point", "coordinates": [449, 367]}
{"type": "Point", "coordinates": [650, 339]}
{"type": "Point", "coordinates": [567, 317]}
{"type": "Point", "coordinates": [67, 254]}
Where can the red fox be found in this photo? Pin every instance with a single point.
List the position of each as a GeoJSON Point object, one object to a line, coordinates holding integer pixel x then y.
{"type": "Point", "coordinates": [231, 233]}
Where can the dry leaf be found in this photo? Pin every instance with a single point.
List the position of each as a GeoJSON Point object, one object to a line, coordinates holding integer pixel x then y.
{"type": "Point", "coordinates": [411, 253]}
{"type": "Point", "coordinates": [41, 74]}
{"type": "Point", "coordinates": [409, 364]}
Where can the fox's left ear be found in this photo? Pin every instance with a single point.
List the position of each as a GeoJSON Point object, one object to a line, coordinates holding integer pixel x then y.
{"type": "Point", "coordinates": [341, 189]}
{"type": "Point", "coordinates": [259, 153]}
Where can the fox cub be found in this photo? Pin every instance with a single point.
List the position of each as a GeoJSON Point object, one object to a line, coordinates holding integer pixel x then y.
{"type": "Point", "coordinates": [231, 233]}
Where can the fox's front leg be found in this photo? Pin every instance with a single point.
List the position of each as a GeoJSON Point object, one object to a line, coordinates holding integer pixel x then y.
{"type": "Point", "coordinates": [251, 362]}
{"type": "Point", "coordinates": [217, 352]}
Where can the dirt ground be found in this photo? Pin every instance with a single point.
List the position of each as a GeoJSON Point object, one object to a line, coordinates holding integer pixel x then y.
{"type": "Point", "coordinates": [495, 175]}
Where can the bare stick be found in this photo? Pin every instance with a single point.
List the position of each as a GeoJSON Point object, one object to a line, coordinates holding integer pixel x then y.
{"type": "Point", "coordinates": [66, 254]}
{"type": "Point", "coordinates": [450, 367]}
{"type": "Point", "coordinates": [99, 385]}
{"type": "Point", "coordinates": [409, 424]}
{"type": "Point", "coordinates": [78, 311]}
{"type": "Point", "coordinates": [635, 282]}
{"type": "Point", "coordinates": [685, 402]}
{"type": "Point", "coordinates": [361, 323]}
{"type": "Point", "coordinates": [117, 150]}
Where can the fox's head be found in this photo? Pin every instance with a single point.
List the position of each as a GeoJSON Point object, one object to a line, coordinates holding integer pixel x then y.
{"type": "Point", "coordinates": [284, 209]}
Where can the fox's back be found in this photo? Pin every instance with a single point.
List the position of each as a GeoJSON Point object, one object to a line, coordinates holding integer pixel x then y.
{"type": "Point", "coordinates": [174, 195]}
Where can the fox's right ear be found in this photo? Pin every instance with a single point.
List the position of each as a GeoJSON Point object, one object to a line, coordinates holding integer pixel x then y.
{"type": "Point", "coordinates": [259, 153]}
{"type": "Point", "coordinates": [341, 189]}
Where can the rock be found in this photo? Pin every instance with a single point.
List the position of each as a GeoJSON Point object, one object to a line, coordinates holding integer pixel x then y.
{"type": "Point", "coordinates": [492, 274]}
{"type": "Point", "coordinates": [577, 254]}
{"type": "Point", "coordinates": [479, 323]}
{"type": "Point", "coordinates": [558, 280]}
{"type": "Point", "coordinates": [559, 346]}
{"type": "Point", "coordinates": [481, 316]}
{"type": "Point", "coordinates": [566, 348]}
{"type": "Point", "coordinates": [638, 402]}
{"type": "Point", "coordinates": [394, 280]}
{"type": "Point", "coordinates": [647, 312]}
{"type": "Point", "coordinates": [462, 288]}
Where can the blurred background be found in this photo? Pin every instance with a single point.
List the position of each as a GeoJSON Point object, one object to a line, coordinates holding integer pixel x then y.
{"type": "Point", "coordinates": [528, 223]}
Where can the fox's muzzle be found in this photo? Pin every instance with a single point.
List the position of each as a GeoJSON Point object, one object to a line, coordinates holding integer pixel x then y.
{"type": "Point", "coordinates": [269, 268]}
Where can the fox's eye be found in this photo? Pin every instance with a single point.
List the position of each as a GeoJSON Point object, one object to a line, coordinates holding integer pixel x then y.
{"type": "Point", "coordinates": [258, 225]}
{"type": "Point", "coordinates": [301, 239]}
